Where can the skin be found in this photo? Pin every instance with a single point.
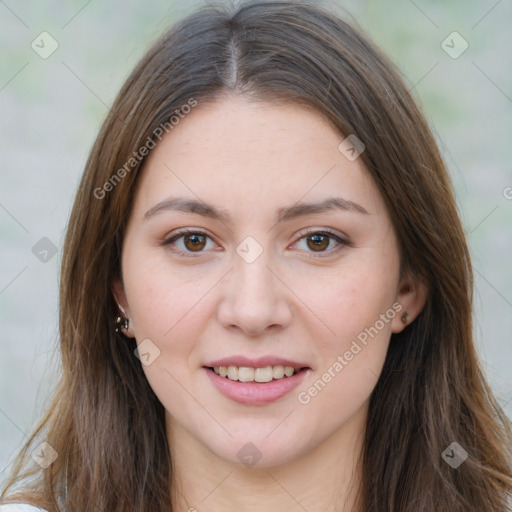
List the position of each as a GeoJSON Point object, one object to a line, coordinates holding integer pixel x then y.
{"type": "Point", "coordinates": [251, 159]}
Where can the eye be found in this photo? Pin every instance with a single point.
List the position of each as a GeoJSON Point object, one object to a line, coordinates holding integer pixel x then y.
{"type": "Point", "coordinates": [189, 242]}
{"type": "Point", "coordinates": [320, 241]}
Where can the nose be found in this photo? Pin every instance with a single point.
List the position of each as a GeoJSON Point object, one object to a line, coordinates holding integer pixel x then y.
{"type": "Point", "coordinates": [254, 299]}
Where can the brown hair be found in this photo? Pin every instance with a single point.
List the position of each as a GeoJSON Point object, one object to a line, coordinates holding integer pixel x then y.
{"type": "Point", "coordinates": [105, 422]}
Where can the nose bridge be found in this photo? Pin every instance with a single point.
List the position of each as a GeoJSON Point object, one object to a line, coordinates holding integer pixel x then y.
{"type": "Point", "coordinates": [255, 299]}
{"type": "Point", "coordinates": [253, 279]}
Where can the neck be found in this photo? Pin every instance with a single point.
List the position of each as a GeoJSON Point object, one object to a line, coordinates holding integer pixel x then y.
{"type": "Point", "coordinates": [324, 479]}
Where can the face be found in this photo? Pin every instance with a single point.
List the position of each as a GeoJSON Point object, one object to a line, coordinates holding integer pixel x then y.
{"type": "Point", "coordinates": [255, 242]}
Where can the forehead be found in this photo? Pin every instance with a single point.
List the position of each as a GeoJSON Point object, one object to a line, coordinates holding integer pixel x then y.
{"type": "Point", "coordinates": [238, 152]}
{"type": "Point", "coordinates": [234, 127]}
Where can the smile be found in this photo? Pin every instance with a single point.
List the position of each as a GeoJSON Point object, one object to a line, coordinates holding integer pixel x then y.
{"type": "Point", "coordinates": [248, 374]}
{"type": "Point", "coordinates": [241, 384]}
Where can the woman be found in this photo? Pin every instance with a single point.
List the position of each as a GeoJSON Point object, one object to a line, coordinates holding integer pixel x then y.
{"type": "Point", "coordinates": [266, 292]}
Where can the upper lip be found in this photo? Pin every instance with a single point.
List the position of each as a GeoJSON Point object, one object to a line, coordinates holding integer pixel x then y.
{"type": "Point", "coordinates": [260, 362]}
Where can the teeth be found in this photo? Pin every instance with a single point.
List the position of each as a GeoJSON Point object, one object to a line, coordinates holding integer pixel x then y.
{"type": "Point", "coordinates": [278, 371]}
{"type": "Point", "coordinates": [288, 371]}
{"type": "Point", "coordinates": [233, 372]}
{"type": "Point", "coordinates": [246, 374]}
{"type": "Point", "coordinates": [263, 374]}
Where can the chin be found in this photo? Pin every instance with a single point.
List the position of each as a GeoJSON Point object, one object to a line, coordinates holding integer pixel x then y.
{"type": "Point", "coordinates": [258, 450]}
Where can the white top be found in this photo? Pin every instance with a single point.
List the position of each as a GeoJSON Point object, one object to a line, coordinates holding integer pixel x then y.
{"type": "Point", "coordinates": [19, 508]}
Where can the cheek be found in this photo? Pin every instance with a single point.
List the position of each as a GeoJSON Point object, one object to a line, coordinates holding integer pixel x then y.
{"type": "Point", "coordinates": [357, 309]}
{"type": "Point", "coordinates": [170, 309]}
{"type": "Point", "coordinates": [160, 295]}
{"type": "Point", "coordinates": [351, 359]}
{"type": "Point", "coordinates": [352, 298]}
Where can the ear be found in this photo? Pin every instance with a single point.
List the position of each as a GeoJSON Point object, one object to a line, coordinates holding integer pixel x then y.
{"type": "Point", "coordinates": [122, 303]}
{"type": "Point", "coordinates": [412, 295]}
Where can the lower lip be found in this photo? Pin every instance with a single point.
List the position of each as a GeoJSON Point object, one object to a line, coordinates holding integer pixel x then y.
{"type": "Point", "coordinates": [256, 393]}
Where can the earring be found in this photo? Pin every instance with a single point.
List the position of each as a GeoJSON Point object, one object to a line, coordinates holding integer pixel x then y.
{"type": "Point", "coordinates": [121, 323]}
{"type": "Point", "coordinates": [404, 317]}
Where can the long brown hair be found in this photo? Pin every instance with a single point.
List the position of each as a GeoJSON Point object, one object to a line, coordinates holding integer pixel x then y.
{"type": "Point", "coordinates": [105, 422]}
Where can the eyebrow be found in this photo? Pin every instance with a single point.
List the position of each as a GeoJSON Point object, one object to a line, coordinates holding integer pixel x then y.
{"type": "Point", "coordinates": [188, 205]}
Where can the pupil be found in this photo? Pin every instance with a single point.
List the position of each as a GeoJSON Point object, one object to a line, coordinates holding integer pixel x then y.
{"type": "Point", "coordinates": [195, 240]}
{"type": "Point", "coordinates": [319, 241]}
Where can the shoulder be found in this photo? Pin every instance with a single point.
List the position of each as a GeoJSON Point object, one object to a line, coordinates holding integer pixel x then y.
{"type": "Point", "coordinates": [16, 507]}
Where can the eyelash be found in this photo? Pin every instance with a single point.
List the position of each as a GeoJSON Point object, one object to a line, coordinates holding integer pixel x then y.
{"type": "Point", "coordinates": [322, 254]}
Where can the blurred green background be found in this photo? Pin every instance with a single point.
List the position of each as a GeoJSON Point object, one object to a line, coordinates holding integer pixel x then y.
{"type": "Point", "coordinates": [51, 109]}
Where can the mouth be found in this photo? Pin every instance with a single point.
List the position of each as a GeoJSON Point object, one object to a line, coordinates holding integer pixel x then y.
{"type": "Point", "coordinates": [259, 375]}
{"type": "Point", "coordinates": [256, 386]}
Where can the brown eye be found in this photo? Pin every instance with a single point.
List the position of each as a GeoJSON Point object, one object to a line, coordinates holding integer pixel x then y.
{"type": "Point", "coordinates": [188, 242]}
{"type": "Point", "coordinates": [194, 242]}
{"type": "Point", "coordinates": [319, 242]}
